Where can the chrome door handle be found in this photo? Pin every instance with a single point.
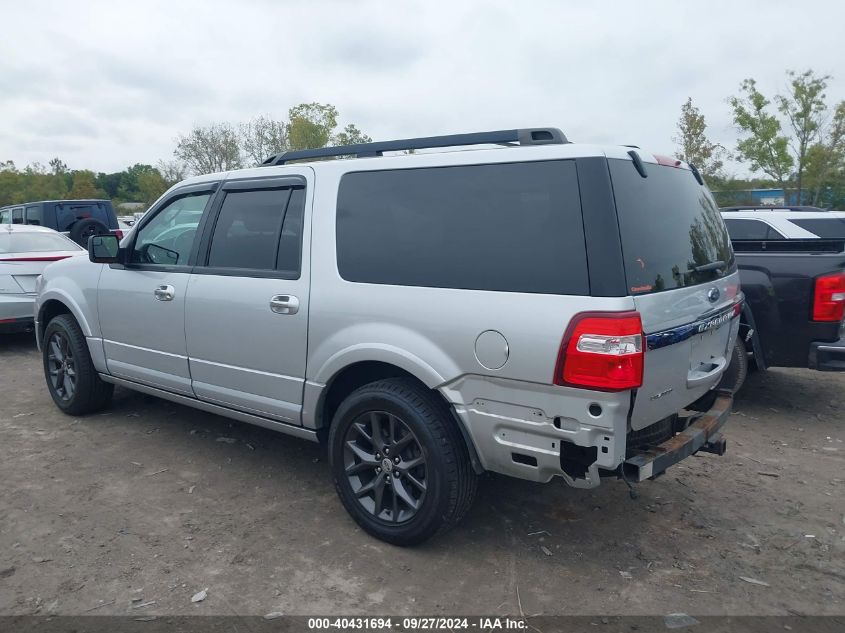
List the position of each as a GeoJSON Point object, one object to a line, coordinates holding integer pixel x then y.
{"type": "Point", "coordinates": [165, 293]}
{"type": "Point", "coordinates": [284, 304]}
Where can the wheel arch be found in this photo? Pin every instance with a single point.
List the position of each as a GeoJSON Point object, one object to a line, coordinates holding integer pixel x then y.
{"type": "Point", "coordinates": [56, 305]}
{"type": "Point", "coordinates": [356, 375]}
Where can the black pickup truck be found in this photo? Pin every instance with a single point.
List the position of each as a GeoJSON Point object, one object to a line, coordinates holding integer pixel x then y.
{"type": "Point", "coordinates": [795, 302]}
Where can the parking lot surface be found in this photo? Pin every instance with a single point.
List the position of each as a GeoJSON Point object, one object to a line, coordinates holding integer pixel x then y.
{"type": "Point", "coordinates": [136, 510]}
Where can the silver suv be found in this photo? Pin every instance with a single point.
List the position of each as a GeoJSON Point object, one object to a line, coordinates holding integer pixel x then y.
{"type": "Point", "coordinates": [539, 309]}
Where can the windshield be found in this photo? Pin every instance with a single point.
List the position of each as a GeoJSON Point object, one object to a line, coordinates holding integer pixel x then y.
{"type": "Point", "coordinates": [24, 242]}
{"type": "Point", "coordinates": [672, 233]}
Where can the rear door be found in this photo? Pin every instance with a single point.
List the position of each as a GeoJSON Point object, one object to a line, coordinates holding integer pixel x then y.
{"type": "Point", "coordinates": [681, 271]}
{"type": "Point", "coordinates": [247, 304]}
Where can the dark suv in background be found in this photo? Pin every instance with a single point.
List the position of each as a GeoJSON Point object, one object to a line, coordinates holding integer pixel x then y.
{"type": "Point", "coordinates": [78, 219]}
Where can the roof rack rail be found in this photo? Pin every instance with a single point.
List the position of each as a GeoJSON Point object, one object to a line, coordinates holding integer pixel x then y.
{"type": "Point", "coordinates": [524, 136]}
{"type": "Point", "coordinates": [771, 207]}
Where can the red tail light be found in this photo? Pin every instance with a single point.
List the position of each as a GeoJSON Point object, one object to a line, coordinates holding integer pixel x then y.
{"type": "Point", "coordinates": [829, 297]}
{"type": "Point", "coordinates": [602, 351]}
{"type": "Point", "coordinates": [48, 258]}
{"type": "Point", "coordinates": [119, 233]}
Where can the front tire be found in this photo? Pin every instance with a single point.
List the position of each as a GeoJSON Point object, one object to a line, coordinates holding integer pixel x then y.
{"type": "Point", "coordinates": [71, 378]}
{"type": "Point", "coordinates": [400, 465]}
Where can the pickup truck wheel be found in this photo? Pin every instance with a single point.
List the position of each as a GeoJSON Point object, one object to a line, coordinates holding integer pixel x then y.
{"type": "Point", "coordinates": [737, 371]}
{"type": "Point", "coordinates": [399, 463]}
{"type": "Point", "coordinates": [71, 377]}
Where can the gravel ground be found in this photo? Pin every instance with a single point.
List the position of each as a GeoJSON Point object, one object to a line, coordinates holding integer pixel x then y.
{"type": "Point", "coordinates": [136, 510]}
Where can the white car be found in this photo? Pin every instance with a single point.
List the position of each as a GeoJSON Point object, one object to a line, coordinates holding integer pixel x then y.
{"type": "Point", "coordinates": [25, 251]}
{"type": "Point", "coordinates": [783, 223]}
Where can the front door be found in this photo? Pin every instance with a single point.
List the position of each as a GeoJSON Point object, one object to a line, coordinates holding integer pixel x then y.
{"type": "Point", "coordinates": [246, 318]}
{"type": "Point", "coordinates": [142, 304]}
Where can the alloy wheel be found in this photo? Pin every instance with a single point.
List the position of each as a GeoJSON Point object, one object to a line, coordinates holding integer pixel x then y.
{"type": "Point", "coordinates": [385, 466]}
{"type": "Point", "coordinates": [62, 366]}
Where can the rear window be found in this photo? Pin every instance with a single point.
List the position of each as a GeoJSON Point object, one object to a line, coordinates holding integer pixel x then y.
{"type": "Point", "coordinates": [669, 225]}
{"type": "Point", "coordinates": [513, 227]}
{"type": "Point", "coordinates": [35, 242]}
{"type": "Point", "coordinates": [825, 228]}
{"type": "Point", "coordinates": [68, 212]}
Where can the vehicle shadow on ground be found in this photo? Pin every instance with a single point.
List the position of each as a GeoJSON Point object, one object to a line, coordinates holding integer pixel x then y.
{"type": "Point", "coordinates": [507, 511]}
{"type": "Point", "coordinates": [23, 342]}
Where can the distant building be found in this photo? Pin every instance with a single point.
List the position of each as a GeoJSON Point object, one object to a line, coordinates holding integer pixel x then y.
{"type": "Point", "coordinates": [755, 197]}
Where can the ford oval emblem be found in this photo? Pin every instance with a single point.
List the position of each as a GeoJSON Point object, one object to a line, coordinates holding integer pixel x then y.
{"type": "Point", "coordinates": [713, 295]}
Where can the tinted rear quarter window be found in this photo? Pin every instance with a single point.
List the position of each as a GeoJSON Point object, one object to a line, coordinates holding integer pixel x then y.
{"type": "Point", "coordinates": [509, 227]}
{"type": "Point", "coordinates": [740, 229]}
{"type": "Point", "coordinates": [825, 228]}
{"type": "Point", "coordinates": [669, 224]}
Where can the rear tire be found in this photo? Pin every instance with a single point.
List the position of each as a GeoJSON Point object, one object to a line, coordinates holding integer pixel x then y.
{"type": "Point", "coordinates": [736, 373]}
{"type": "Point", "coordinates": [71, 377]}
{"type": "Point", "coordinates": [400, 465]}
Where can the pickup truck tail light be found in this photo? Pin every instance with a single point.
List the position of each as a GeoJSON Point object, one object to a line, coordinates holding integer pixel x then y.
{"type": "Point", "coordinates": [602, 351]}
{"type": "Point", "coordinates": [829, 297]}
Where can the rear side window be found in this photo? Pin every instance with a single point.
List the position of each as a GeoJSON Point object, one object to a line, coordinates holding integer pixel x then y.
{"type": "Point", "coordinates": [751, 230]}
{"type": "Point", "coordinates": [513, 227]}
{"type": "Point", "coordinates": [669, 225]}
{"type": "Point", "coordinates": [33, 215]}
{"type": "Point", "coordinates": [68, 212]}
{"type": "Point", "coordinates": [254, 232]}
{"type": "Point", "coordinates": [825, 228]}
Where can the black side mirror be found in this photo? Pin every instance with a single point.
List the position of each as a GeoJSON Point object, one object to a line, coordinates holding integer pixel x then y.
{"type": "Point", "coordinates": [104, 249]}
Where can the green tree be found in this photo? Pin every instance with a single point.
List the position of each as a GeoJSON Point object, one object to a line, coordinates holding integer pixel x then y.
{"type": "Point", "coordinates": [788, 153]}
{"type": "Point", "coordinates": [764, 145]}
{"type": "Point", "coordinates": [58, 166]}
{"type": "Point", "coordinates": [10, 182]}
{"type": "Point", "coordinates": [804, 107]}
{"type": "Point", "coordinates": [825, 161]}
{"type": "Point", "coordinates": [261, 138]}
{"type": "Point", "coordinates": [151, 184]}
{"type": "Point", "coordinates": [172, 171]}
{"type": "Point", "coordinates": [351, 135]}
{"type": "Point", "coordinates": [39, 184]}
{"type": "Point", "coordinates": [83, 185]}
{"type": "Point", "coordinates": [109, 183]}
{"type": "Point", "coordinates": [310, 125]}
{"type": "Point", "coordinates": [210, 149]}
{"type": "Point", "coordinates": [693, 145]}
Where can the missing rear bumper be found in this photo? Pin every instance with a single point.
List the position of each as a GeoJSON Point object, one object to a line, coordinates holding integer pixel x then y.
{"type": "Point", "coordinates": [701, 435]}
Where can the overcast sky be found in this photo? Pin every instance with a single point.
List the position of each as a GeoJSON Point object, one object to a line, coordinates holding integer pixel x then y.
{"type": "Point", "coordinates": [104, 85]}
